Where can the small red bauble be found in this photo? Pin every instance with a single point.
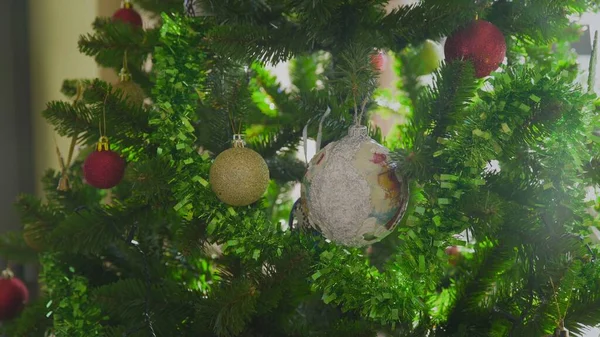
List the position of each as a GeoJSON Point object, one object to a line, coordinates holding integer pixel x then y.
{"type": "Point", "coordinates": [129, 15]}
{"type": "Point", "coordinates": [13, 296]}
{"type": "Point", "coordinates": [378, 60]}
{"type": "Point", "coordinates": [103, 169]}
{"type": "Point", "coordinates": [479, 42]}
{"type": "Point", "coordinates": [454, 253]}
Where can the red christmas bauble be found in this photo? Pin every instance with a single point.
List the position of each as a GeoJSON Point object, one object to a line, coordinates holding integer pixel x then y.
{"type": "Point", "coordinates": [128, 15]}
{"type": "Point", "coordinates": [479, 42]}
{"type": "Point", "coordinates": [13, 297]}
{"type": "Point", "coordinates": [452, 250]}
{"type": "Point", "coordinates": [378, 60]}
{"type": "Point", "coordinates": [454, 253]}
{"type": "Point", "coordinates": [103, 169]}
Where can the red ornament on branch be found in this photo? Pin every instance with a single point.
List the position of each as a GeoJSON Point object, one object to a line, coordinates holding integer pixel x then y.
{"type": "Point", "coordinates": [479, 42]}
{"type": "Point", "coordinates": [378, 60]}
{"type": "Point", "coordinates": [13, 296]}
{"type": "Point", "coordinates": [129, 15]}
{"type": "Point", "coordinates": [454, 255]}
{"type": "Point", "coordinates": [103, 168]}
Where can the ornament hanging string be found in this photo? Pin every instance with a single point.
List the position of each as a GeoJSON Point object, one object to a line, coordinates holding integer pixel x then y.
{"type": "Point", "coordinates": [237, 139]}
{"type": "Point", "coordinates": [125, 64]}
{"type": "Point", "coordinates": [305, 142]}
{"type": "Point", "coordinates": [231, 121]}
{"type": "Point", "coordinates": [102, 122]}
{"type": "Point", "coordinates": [319, 135]}
{"type": "Point", "coordinates": [229, 112]}
{"type": "Point", "coordinates": [103, 142]}
{"type": "Point", "coordinates": [63, 183]}
{"type": "Point", "coordinates": [248, 80]}
{"type": "Point", "coordinates": [75, 136]}
{"type": "Point", "coordinates": [71, 150]}
{"type": "Point", "coordinates": [125, 75]}
{"type": "Point", "coordinates": [358, 115]}
{"type": "Point", "coordinates": [79, 93]}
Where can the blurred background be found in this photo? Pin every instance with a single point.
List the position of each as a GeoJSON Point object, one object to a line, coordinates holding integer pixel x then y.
{"type": "Point", "coordinates": [38, 39]}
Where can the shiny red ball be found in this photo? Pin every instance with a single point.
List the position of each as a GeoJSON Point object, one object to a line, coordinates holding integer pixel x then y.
{"type": "Point", "coordinates": [452, 251]}
{"type": "Point", "coordinates": [13, 297]}
{"type": "Point", "coordinates": [378, 60]}
{"type": "Point", "coordinates": [129, 15]}
{"type": "Point", "coordinates": [103, 169]}
{"type": "Point", "coordinates": [480, 42]}
{"type": "Point", "coordinates": [454, 255]}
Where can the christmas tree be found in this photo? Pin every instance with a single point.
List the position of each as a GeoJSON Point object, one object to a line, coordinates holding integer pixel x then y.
{"type": "Point", "coordinates": [470, 219]}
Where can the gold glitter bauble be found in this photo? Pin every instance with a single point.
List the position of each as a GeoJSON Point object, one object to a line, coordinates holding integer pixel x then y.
{"type": "Point", "coordinates": [132, 92]}
{"type": "Point", "coordinates": [33, 234]}
{"type": "Point", "coordinates": [239, 176]}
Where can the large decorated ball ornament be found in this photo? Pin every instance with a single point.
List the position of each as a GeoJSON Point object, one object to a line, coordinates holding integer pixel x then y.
{"type": "Point", "coordinates": [351, 193]}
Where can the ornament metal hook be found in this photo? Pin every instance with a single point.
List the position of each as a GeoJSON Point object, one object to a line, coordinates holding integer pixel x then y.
{"type": "Point", "coordinates": [103, 144]}
{"type": "Point", "coordinates": [238, 140]}
{"type": "Point", "coordinates": [358, 131]}
{"type": "Point", "coordinates": [124, 75]}
{"type": "Point", "coordinates": [7, 274]}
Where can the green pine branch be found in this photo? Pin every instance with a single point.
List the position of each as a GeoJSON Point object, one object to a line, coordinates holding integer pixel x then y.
{"type": "Point", "coordinates": [14, 248]}
{"type": "Point", "coordinates": [404, 25]}
{"type": "Point", "coordinates": [435, 110]}
{"type": "Point", "coordinates": [234, 308]}
{"type": "Point", "coordinates": [83, 118]}
{"type": "Point", "coordinates": [96, 228]}
{"type": "Point", "coordinates": [537, 20]}
{"type": "Point", "coordinates": [112, 39]}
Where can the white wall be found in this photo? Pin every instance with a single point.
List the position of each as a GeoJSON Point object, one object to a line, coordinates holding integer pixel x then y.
{"type": "Point", "coordinates": [55, 27]}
